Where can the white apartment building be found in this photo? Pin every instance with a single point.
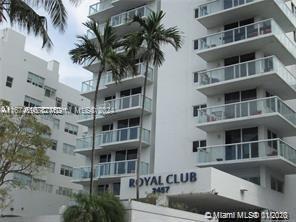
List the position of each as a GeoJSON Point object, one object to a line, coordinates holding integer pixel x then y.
{"type": "Point", "coordinates": [26, 80]}
{"type": "Point", "coordinates": [220, 123]}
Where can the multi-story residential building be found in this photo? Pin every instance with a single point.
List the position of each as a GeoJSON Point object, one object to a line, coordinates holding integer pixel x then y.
{"type": "Point", "coordinates": [27, 80]}
{"type": "Point", "coordinates": [223, 106]}
{"type": "Point", "coordinates": [118, 132]}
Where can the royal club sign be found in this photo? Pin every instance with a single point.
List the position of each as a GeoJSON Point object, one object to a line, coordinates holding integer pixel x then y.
{"type": "Point", "coordinates": [161, 184]}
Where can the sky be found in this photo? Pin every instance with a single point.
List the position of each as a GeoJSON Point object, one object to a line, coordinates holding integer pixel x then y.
{"type": "Point", "coordinates": [70, 74]}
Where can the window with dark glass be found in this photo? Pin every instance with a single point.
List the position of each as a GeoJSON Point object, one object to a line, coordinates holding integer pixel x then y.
{"type": "Point", "coordinates": [198, 144]}
{"type": "Point", "coordinates": [9, 81]}
{"type": "Point", "coordinates": [59, 102]}
{"type": "Point", "coordinates": [197, 108]}
{"type": "Point", "coordinates": [196, 13]}
{"type": "Point", "coordinates": [195, 77]}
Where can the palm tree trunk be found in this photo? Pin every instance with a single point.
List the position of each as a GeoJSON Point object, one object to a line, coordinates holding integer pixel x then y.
{"type": "Point", "coordinates": [141, 132]}
{"type": "Point", "coordinates": [94, 134]}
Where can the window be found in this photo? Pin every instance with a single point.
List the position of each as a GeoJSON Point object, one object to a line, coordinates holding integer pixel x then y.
{"type": "Point", "coordinates": [103, 188]}
{"type": "Point", "coordinates": [195, 77]}
{"type": "Point", "coordinates": [197, 108]}
{"type": "Point", "coordinates": [54, 145]}
{"type": "Point", "coordinates": [66, 171]}
{"type": "Point", "coordinates": [72, 108]}
{"type": "Point", "coordinates": [70, 128]}
{"type": "Point", "coordinates": [276, 185]}
{"type": "Point", "coordinates": [68, 149]}
{"type": "Point", "coordinates": [59, 102]}
{"type": "Point", "coordinates": [116, 189]}
{"type": "Point", "coordinates": [56, 123]}
{"type": "Point", "coordinates": [198, 144]}
{"type": "Point", "coordinates": [196, 13]}
{"type": "Point", "coordinates": [31, 102]}
{"type": "Point", "coordinates": [64, 191]}
{"type": "Point", "coordinates": [35, 80]}
{"type": "Point", "coordinates": [38, 185]}
{"type": "Point", "coordinates": [9, 81]}
{"type": "Point", "coordinates": [23, 179]}
{"type": "Point", "coordinates": [49, 92]}
{"type": "Point", "coordinates": [195, 43]}
{"type": "Point", "coordinates": [49, 188]}
{"type": "Point", "coordinates": [51, 167]}
{"type": "Point", "coordinates": [255, 180]}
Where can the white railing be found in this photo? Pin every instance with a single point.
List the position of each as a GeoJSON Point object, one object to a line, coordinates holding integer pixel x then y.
{"type": "Point", "coordinates": [109, 169]}
{"type": "Point", "coordinates": [128, 16]}
{"type": "Point", "coordinates": [256, 29]}
{"type": "Point", "coordinates": [107, 78]}
{"type": "Point", "coordinates": [253, 150]}
{"type": "Point", "coordinates": [245, 69]}
{"type": "Point", "coordinates": [114, 136]}
{"type": "Point", "coordinates": [100, 6]}
{"type": "Point", "coordinates": [246, 109]}
{"type": "Point", "coordinates": [119, 104]}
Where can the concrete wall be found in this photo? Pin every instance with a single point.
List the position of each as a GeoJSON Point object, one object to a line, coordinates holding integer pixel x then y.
{"type": "Point", "coordinates": [150, 213]}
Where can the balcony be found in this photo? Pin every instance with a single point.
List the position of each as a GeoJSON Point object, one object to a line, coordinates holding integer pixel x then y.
{"type": "Point", "coordinates": [275, 153]}
{"type": "Point", "coordinates": [103, 10]}
{"type": "Point", "coordinates": [265, 36]}
{"type": "Point", "coordinates": [220, 12]}
{"type": "Point", "coordinates": [268, 73]}
{"type": "Point", "coordinates": [123, 107]}
{"type": "Point", "coordinates": [113, 140]}
{"type": "Point", "coordinates": [109, 170]}
{"type": "Point", "coordinates": [109, 86]}
{"type": "Point", "coordinates": [122, 22]}
{"type": "Point", "coordinates": [271, 112]}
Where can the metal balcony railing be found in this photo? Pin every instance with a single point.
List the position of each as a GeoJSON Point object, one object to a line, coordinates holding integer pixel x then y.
{"type": "Point", "coordinates": [110, 169]}
{"type": "Point", "coordinates": [120, 104]}
{"type": "Point", "coordinates": [245, 151]}
{"type": "Point", "coordinates": [128, 16]}
{"type": "Point", "coordinates": [113, 137]}
{"type": "Point", "coordinates": [256, 29]}
{"type": "Point", "coordinates": [107, 78]}
{"type": "Point", "coordinates": [246, 109]}
{"type": "Point", "coordinates": [222, 5]}
{"type": "Point", "coordinates": [100, 6]}
{"type": "Point", "coordinates": [245, 69]}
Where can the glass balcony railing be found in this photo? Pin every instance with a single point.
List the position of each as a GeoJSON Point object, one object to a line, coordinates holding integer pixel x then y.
{"type": "Point", "coordinates": [113, 136]}
{"type": "Point", "coordinates": [220, 5]}
{"type": "Point", "coordinates": [100, 6]}
{"type": "Point", "coordinates": [120, 104]}
{"type": "Point", "coordinates": [246, 109]}
{"type": "Point", "coordinates": [110, 169]}
{"type": "Point", "coordinates": [246, 151]}
{"type": "Point", "coordinates": [128, 16]}
{"type": "Point", "coordinates": [260, 28]}
{"type": "Point", "coordinates": [245, 69]}
{"type": "Point", "coordinates": [107, 78]}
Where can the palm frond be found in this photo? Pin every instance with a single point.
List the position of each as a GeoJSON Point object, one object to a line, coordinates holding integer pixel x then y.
{"type": "Point", "coordinates": [85, 51]}
{"type": "Point", "coordinates": [55, 9]}
{"type": "Point", "coordinates": [27, 19]}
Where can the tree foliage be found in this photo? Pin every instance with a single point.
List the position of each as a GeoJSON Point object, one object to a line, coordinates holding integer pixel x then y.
{"type": "Point", "coordinates": [23, 144]}
{"type": "Point", "coordinates": [100, 208]}
{"type": "Point", "coordinates": [150, 39]}
{"type": "Point", "coordinates": [22, 13]}
{"type": "Point", "coordinates": [101, 49]}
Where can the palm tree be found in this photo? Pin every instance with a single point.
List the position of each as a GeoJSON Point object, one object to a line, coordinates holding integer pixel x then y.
{"type": "Point", "coordinates": [152, 36]}
{"type": "Point", "coordinates": [103, 50]}
{"type": "Point", "coordinates": [104, 207]}
{"type": "Point", "coordinates": [21, 12]}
